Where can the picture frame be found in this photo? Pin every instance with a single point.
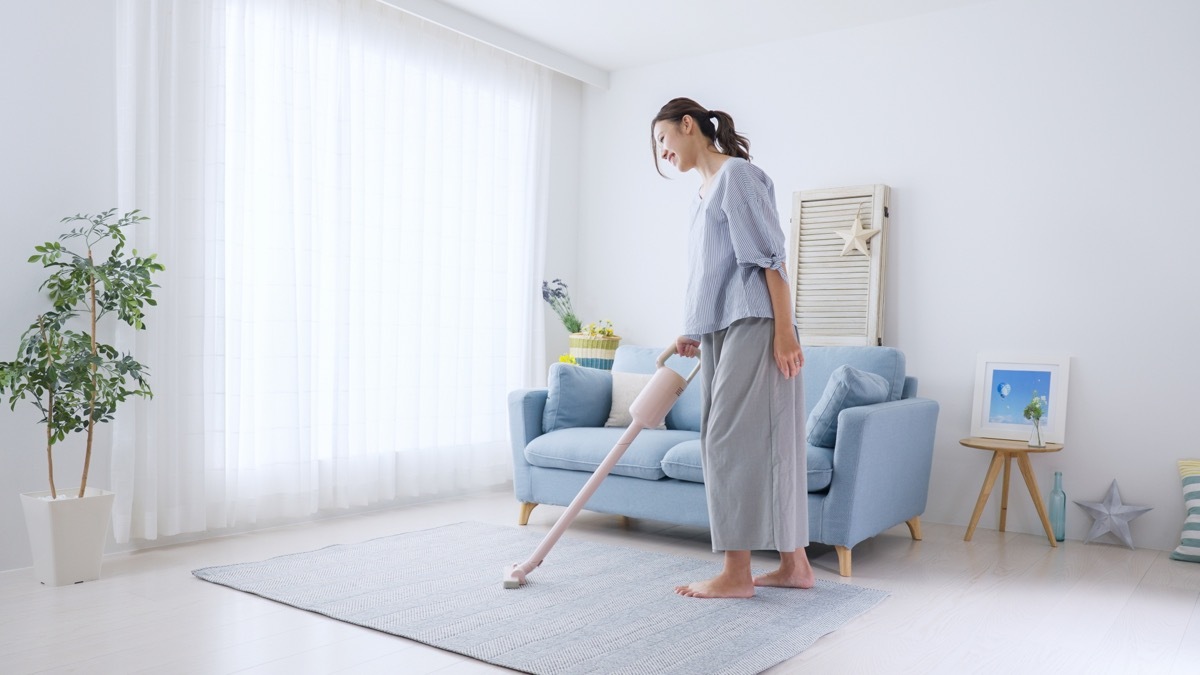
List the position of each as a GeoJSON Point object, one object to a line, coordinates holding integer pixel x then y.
{"type": "Point", "coordinates": [1004, 385]}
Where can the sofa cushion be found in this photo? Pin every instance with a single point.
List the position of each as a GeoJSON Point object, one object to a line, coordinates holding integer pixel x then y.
{"type": "Point", "coordinates": [583, 450]}
{"type": "Point", "coordinates": [820, 362]}
{"type": "Point", "coordinates": [577, 397]}
{"type": "Point", "coordinates": [682, 462]}
{"type": "Point", "coordinates": [685, 414]}
{"type": "Point", "coordinates": [625, 389]}
{"type": "Point", "coordinates": [848, 387]}
{"type": "Point", "coordinates": [820, 467]}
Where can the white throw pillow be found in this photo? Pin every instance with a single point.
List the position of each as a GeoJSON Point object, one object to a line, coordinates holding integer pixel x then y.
{"type": "Point", "coordinates": [625, 388]}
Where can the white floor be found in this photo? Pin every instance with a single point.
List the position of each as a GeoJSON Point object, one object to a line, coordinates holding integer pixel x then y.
{"type": "Point", "coordinates": [1003, 603]}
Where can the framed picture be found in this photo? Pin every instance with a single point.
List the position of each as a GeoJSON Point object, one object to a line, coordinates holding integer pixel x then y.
{"type": "Point", "coordinates": [1006, 383]}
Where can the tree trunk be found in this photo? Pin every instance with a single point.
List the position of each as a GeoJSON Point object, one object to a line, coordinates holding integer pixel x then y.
{"type": "Point", "coordinates": [49, 417]}
{"type": "Point", "coordinates": [87, 457]}
{"type": "Point", "coordinates": [50, 446]}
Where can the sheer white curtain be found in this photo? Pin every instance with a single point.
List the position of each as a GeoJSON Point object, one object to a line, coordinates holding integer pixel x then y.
{"type": "Point", "coordinates": [349, 203]}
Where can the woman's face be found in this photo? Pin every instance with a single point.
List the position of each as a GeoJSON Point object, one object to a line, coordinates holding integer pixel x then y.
{"type": "Point", "coordinates": [675, 144]}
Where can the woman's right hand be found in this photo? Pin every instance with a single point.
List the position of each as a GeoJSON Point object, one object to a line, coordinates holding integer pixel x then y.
{"type": "Point", "coordinates": [685, 346]}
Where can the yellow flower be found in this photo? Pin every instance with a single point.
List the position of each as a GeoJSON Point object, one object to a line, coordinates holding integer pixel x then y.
{"type": "Point", "coordinates": [604, 329]}
{"type": "Point", "coordinates": [567, 358]}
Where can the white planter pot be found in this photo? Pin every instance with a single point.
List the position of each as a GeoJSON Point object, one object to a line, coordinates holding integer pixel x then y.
{"type": "Point", "coordinates": [67, 535]}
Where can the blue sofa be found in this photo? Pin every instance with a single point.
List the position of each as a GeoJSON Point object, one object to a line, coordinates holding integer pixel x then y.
{"type": "Point", "coordinates": [875, 475]}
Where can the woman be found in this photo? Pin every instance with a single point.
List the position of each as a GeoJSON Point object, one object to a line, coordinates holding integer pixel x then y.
{"type": "Point", "coordinates": [738, 312]}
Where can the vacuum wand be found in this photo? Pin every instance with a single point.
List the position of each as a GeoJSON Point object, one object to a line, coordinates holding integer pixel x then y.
{"type": "Point", "coordinates": [649, 409]}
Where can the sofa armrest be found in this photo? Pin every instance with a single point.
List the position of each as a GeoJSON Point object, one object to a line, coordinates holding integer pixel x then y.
{"type": "Point", "coordinates": [881, 465]}
{"type": "Point", "coordinates": [525, 408]}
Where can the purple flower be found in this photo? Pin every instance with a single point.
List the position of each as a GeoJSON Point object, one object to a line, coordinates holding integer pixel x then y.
{"type": "Point", "coordinates": [555, 294]}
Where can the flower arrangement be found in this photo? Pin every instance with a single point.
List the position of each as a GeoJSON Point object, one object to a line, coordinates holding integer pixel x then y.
{"type": "Point", "coordinates": [555, 293]}
{"type": "Point", "coordinates": [1035, 411]}
{"type": "Point", "coordinates": [592, 346]}
{"type": "Point", "coordinates": [604, 329]}
{"type": "Point", "coordinates": [1036, 408]}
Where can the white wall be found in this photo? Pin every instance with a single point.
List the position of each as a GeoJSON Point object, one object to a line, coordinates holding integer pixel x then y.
{"type": "Point", "coordinates": [1043, 162]}
{"type": "Point", "coordinates": [57, 139]}
{"type": "Point", "coordinates": [562, 235]}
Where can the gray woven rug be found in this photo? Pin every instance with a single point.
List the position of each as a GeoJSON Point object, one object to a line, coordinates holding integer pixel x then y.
{"type": "Point", "coordinates": [590, 608]}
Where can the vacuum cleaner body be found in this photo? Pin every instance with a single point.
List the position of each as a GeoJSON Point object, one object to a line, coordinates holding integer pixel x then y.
{"type": "Point", "coordinates": [649, 409]}
{"type": "Point", "coordinates": [651, 406]}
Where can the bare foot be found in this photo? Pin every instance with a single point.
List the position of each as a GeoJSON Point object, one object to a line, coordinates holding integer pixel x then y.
{"type": "Point", "coordinates": [721, 586]}
{"type": "Point", "coordinates": [780, 579]}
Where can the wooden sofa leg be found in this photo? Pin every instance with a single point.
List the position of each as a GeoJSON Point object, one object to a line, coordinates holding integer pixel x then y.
{"type": "Point", "coordinates": [843, 560]}
{"type": "Point", "coordinates": [526, 509]}
{"type": "Point", "coordinates": [914, 527]}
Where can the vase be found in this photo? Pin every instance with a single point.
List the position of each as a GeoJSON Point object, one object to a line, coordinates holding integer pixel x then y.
{"type": "Point", "coordinates": [1035, 437]}
{"type": "Point", "coordinates": [67, 535]}
{"type": "Point", "coordinates": [1058, 508]}
{"type": "Point", "coordinates": [592, 351]}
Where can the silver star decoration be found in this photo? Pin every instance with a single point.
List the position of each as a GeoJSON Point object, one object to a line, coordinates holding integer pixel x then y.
{"type": "Point", "coordinates": [856, 237]}
{"type": "Point", "coordinates": [1112, 516]}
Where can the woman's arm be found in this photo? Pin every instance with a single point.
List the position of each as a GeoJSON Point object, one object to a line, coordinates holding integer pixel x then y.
{"type": "Point", "coordinates": [789, 357]}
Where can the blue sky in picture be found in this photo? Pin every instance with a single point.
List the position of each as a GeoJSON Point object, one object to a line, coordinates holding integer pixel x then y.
{"type": "Point", "coordinates": [1012, 390]}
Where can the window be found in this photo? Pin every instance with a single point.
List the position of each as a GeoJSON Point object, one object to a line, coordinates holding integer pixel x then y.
{"type": "Point", "coordinates": [348, 196]}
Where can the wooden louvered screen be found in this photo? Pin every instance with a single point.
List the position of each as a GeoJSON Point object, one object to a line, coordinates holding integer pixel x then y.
{"type": "Point", "coordinates": [839, 298]}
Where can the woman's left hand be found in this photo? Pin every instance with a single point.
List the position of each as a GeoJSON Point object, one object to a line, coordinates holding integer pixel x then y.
{"type": "Point", "coordinates": [788, 355]}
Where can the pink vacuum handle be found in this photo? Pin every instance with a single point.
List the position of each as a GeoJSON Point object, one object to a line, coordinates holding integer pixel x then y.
{"type": "Point", "coordinates": [648, 409]}
{"type": "Point", "coordinates": [662, 361]}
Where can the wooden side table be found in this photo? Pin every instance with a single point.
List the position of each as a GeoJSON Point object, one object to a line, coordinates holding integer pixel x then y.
{"type": "Point", "coordinates": [1003, 452]}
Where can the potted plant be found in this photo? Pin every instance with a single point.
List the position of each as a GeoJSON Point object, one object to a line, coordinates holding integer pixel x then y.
{"type": "Point", "coordinates": [593, 345]}
{"type": "Point", "coordinates": [77, 382]}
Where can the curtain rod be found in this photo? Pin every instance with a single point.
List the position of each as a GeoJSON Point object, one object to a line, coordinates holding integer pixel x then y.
{"type": "Point", "coordinates": [501, 38]}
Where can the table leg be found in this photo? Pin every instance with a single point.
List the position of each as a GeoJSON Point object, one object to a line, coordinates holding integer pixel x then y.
{"type": "Point", "coordinates": [988, 482]}
{"type": "Point", "coordinates": [1004, 491]}
{"type": "Point", "coordinates": [1031, 482]}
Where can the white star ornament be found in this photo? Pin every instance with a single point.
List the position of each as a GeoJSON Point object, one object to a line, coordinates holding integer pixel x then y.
{"type": "Point", "coordinates": [856, 237]}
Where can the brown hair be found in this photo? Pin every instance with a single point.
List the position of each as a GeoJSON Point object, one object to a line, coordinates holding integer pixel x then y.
{"type": "Point", "coordinates": [723, 135]}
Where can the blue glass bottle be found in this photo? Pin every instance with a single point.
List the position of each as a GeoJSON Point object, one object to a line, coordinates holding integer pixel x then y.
{"type": "Point", "coordinates": [1058, 508]}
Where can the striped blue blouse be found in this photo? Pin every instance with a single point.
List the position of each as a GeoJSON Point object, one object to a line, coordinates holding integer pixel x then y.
{"type": "Point", "coordinates": [734, 235]}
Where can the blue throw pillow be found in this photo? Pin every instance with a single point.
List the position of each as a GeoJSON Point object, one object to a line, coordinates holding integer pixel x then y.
{"type": "Point", "coordinates": [820, 361]}
{"type": "Point", "coordinates": [577, 397]}
{"type": "Point", "coordinates": [848, 387]}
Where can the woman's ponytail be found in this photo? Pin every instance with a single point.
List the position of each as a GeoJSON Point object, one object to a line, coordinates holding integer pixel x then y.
{"type": "Point", "coordinates": [728, 140]}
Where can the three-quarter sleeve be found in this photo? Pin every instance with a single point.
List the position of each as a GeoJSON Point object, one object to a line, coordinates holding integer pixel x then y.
{"type": "Point", "coordinates": [754, 230]}
{"type": "Point", "coordinates": [756, 237]}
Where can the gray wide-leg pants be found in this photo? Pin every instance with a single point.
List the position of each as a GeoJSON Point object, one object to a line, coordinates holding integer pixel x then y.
{"type": "Point", "coordinates": [752, 442]}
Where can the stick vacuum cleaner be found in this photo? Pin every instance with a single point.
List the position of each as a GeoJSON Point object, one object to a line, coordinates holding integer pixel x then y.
{"type": "Point", "coordinates": [649, 409]}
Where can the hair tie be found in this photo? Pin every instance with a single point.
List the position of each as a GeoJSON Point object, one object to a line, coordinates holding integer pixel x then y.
{"type": "Point", "coordinates": [711, 114]}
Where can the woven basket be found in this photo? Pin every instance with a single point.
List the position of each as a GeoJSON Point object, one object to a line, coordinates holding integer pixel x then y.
{"type": "Point", "coordinates": [594, 352]}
